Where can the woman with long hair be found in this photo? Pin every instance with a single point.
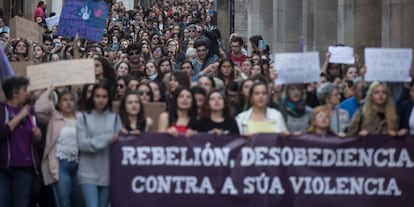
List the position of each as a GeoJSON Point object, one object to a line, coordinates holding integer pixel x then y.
{"type": "Point", "coordinates": [244, 90]}
{"type": "Point", "coordinates": [61, 155]}
{"type": "Point", "coordinates": [226, 71]}
{"type": "Point", "coordinates": [96, 129]}
{"type": "Point", "coordinates": [122, 68]}
{"type": "Point", "coordinates": [181, 115]}
{"type": "Point", "coordinates": [132, 114]}
{"type": "Point", "coordinates": [104, 70]}
{"type": "Point", "coordinates": [377, 115]}
{"type": "Point", "coordinates": [216, 116]}
{"type": "Point", "coordinates": [260, 118]}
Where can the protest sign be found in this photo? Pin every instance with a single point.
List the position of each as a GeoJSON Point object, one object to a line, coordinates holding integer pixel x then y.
{"type": "Point", "coordinates": [20, 68]}
{"type": "Point", "coordinates": [6, 69]}
{"type": "Point", "coordinates": [52, 21]}
{"type": "Point", "coordinates": [153, 110]}
{"type": "Point", "coordinates": [61, 73]}
{"type": "Point", "coordinates": [297, 67]}
{"type": "Point", "coordinates": [87, 18]}
{"type": "Point", "coordinates": [388, 64]}
{"type": "Point", "coordinates": [207, 170]}
{"type": "Point", "coordinates": [341, 55]}
{"type": "Point", "coordinates": [24, 28]}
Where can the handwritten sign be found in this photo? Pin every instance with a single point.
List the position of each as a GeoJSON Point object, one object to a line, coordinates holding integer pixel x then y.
{"type": "Point", "coordinates": [342, 55]}
{"type": "Point", "coordinates": [297, 67]}
{"type": "Point", "coordinates": [388, 64]}
{"type": "Point", "coordinates": [61, 73]}
{"type": "Point", "coordinates": [19, 68]}
{"type": "Point", "coordinates": [52, 21]}
{"type": "Point", "coordinates": [87, 18]}
{"type": "Point", "coordinates": [23, 28]}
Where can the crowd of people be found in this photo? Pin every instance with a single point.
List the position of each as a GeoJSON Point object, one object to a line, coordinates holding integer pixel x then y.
{"type": "Point", "coordinates": [171, 53]}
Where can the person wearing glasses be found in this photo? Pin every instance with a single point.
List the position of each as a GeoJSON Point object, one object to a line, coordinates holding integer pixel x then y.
{"type": "Point", "coordinates": [236, 55]}
{"type": "Point", "coordinates": [203, 59]}
{"type": "Point", "coordinates": [145, 93]}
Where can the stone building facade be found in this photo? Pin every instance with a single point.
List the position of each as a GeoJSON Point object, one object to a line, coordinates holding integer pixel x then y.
{"type": "Point", "coordinates": [288, 25]}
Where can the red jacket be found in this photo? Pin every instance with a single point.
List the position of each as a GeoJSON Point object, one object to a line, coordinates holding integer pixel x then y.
{"type": "Point", "coordinates": [39, 13]}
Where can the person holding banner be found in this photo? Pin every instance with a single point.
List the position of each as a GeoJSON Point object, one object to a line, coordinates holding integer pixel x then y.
{"type": "Point", "coordinates": [132, 114]}
{"type": "Point", "coordinates": [216, 115]}
{"type": "Point", "coordinates": [96, 129]}
{"type": "Point", "coordinates": [260, 118]}
{"type": "Point", "coordinates": [18, 136]}
{"type": "Point", "coordinates": [293, 106]}
{"type": "Point", "coordinates": [60, 158]}
{"type": "Point", "coordinates": [377, 115]}
{"type": "Point", "coordinates": [181, 115]}
{"type": "Point", "coordinates": [328, 95]}
{"type": "Point", "coordinates": [320, 122]}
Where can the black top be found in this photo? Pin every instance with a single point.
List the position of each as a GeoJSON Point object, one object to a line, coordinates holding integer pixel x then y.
{"type": "Point", "coordinates": [229, 126]}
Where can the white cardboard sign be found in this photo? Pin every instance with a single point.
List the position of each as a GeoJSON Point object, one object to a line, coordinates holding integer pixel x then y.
{"type": "Point", "coordinates": [388, 64]}
{"type": "Point", "coordinates": [341, 55]}
{"type": "Point", "coordinates": [297, 67]}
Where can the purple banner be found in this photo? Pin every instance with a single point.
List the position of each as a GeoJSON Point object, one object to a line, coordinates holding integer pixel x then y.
{"type": "Point", "coordinates": [266, 170]}
{"type": "Point", "coordinates": [86, 17]}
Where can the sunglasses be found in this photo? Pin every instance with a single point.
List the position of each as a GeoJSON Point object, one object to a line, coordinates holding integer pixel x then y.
{"type": "Point", "coordinates": [141, 93]}
{"type": "Point", "coordinates": [155, 38]}
{"type": "Point", "coordinates": [121, 86]}
{"type": "Point", "coordinates": [133, 53]}
{"type": "Point", "coordinates": [191, 31]}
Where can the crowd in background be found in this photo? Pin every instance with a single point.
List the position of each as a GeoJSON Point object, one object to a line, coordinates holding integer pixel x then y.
{"type": "Point", "coordinates": [171, 53]}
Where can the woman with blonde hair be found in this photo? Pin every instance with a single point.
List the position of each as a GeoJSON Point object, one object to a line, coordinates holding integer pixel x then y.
{"type": "Point", "coordinates": [378, 115]}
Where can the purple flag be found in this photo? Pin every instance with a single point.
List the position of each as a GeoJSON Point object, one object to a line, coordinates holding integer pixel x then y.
{"type": "Point", "coordinates": [5, 68]}
{"type": "Point", "coordinates": [87, 18]}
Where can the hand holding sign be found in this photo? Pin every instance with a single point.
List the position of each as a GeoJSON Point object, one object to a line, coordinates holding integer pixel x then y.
{"type": "Point", "coordinates": [341, 55]}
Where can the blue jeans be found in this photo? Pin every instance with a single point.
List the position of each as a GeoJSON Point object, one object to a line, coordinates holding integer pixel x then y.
{"type": "Point", "coordinates": [66, 190]}
{"type": "Point", "coordinates": [95, 196]}
{"type": "Point", "coordinates": [16, 187]}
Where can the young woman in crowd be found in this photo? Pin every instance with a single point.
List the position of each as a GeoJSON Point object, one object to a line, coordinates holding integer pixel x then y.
{"type": "Point", "coordinates": [132, 114]}
{"type": "Point", "coordinates": [158, 96]}
{"type": "Point", "coordinates": [206, 82]}
{"type": "Point", "coordinates": [246, 68]}
{"type": "Point", "coordinates": [177, 79]}
{"type": "Point", "coordinates": [226, 71]}
{"type": "Point", "coordinates": [21, 51]}
{"type": "Point", "coordinates": [164, 66]}
{"type": "Point", "coordinates": [132, 83]}
{"type": "Point", "coordinates": [320, 122]}
{"type": "Point", "coordinates": [217, 116]}
{"type": "Point", "coordinates": [377, 115]}
{"type": "Point", "coordinates": [181, 115]}
{"type": "Point", "coordinates": [121, 86]}
{"type": "Point", "coordinates": [61, 154]}
{"type": "Point", "coordinates": [122, 68]}
{"type": "Point", "coordinates": [328, 95]}
{"type": "Point", "coordinates": [244, 91]}
{"type": "Point", "coordinates": [39, 54]}
{"type": "Point", "coordinates": [151, 71]}
{"type": "Point", "coordinates": [200, 96]}
{"type": "Point", "coordinates": [293, 106]}
{"type": "Point", "coordinates": [145, 93]}
{"type": "Point", "coordinates": [96, 129]}
{"type": "Point", "coordinates": [104, 70]}
{"type": "Point", "coordinates": [260, 118]}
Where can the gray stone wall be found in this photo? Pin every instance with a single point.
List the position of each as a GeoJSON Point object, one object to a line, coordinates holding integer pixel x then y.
{"type": "Point", "coordinates": [320, 23]}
